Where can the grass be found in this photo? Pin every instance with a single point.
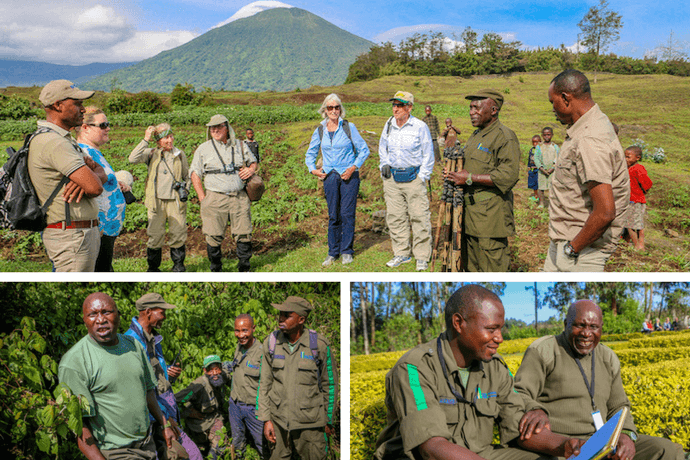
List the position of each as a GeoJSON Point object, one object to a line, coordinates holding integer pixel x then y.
{"type": "Point", "coordinates": [291, 220]}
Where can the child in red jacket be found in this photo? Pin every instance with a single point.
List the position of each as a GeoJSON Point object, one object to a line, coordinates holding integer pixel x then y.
{"type": "Point", "coordinates": [640, 183]}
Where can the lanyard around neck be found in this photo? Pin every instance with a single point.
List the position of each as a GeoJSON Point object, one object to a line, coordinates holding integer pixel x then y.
{"type": "Point", "coordinates": [590, 387]}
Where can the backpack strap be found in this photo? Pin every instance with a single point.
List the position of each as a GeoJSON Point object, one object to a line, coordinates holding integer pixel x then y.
{"type": "Point", "coordinates": [314, 346]}
{"type": "Point", "coordinates": [346, 128]}
{"type": "Point", "coordinates": [272, 339]}
{"type": "Point", "coordinates": [63, 181]}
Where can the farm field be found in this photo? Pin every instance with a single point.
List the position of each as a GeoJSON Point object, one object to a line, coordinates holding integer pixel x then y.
{"type": "Point", "coordinates": [290, 222]}
{"type": "Point", "coordinates": [655, 371]}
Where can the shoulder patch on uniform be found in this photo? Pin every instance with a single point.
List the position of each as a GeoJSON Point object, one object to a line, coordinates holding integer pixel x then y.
{"type": "Point", "coordinates": [416, 387]}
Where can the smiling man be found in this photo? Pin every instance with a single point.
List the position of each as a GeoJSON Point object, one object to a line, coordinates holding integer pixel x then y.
{"type": "Point", "coordinates": [571, 384]}
{"type": "Point", "coordinates": [298, 391]}
{"type": "Point", "coordinates": [444, 397]}
{"type": "Point", "coordinates": [492, 161]}
{"type": "Point", "coordinates": [112, 372]}
{"type": "Point", "coordinates": [245, 367]}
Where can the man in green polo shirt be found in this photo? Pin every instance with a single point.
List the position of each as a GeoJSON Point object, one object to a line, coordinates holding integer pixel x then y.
{"type": "Point", "coordinates": [111, 371]}
{"type": "Point", "coordinates": [492, 161]}
{"type": "Point", "coordinates": [444, 397]}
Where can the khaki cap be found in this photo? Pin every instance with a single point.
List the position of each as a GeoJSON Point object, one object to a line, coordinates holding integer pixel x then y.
{"type": "Point", "coordinates": [152, 300]}
{"type": "Point", "coordinates": [59, 90]}
{"type": "Point", "coordinates": [487, 94]}
{"type": "Point", "coordinates": [403, 96]}
{"type": "Point", "coordinates": [217, 120]}
{"type": "Point", "coordinates": [297, 304]}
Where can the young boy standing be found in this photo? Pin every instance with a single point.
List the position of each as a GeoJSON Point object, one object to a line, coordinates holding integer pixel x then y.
{"type": "Point", "coordinates": [640, 183]}
{"type": "Point", "coordinates": [532, 170]}
{"type": "Point", "coordinates": [545, 157]}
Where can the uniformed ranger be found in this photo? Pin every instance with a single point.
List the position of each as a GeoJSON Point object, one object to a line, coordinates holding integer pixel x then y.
{"type": "Point", "coordinates": [245, 367]}
{"type": "Point", "coordinates": [595, 391]}
{"type": "Point", "coordinates": [224, 163]}
{"type": "Point", "coordinates": [444, 397]}
{"type": "Point", "coordinates": [492, 160]}
{"type": "Point", "coordinates": [298, 391]}
{"type": "Point", "coordinates": [203, 405]}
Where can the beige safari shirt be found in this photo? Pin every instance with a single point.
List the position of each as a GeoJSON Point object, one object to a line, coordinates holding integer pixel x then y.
{"type": "Point", "coordinates": [52, 156]}
{"type": "Point", "coordinates": [420, 404]}
{"type": "Point", "coordinates": [206, 160]}
{"type": "Point", "coordinates": [591, 152]}
{"type": "Point", "coordinates": [162, 174]}
{"type": "Point", "coordinates": [245, 375]}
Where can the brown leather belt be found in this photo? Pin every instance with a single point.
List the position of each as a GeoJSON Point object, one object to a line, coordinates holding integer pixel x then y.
{"type": "Point", "coordinates": [75, 224]}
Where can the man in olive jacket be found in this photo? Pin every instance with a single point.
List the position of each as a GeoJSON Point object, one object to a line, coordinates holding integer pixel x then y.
{"type": "Point", "coordinates": [298, 388]}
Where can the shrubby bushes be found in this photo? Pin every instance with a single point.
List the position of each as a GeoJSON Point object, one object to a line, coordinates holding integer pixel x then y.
{"type": "Point", "coordinates": [17, 108]}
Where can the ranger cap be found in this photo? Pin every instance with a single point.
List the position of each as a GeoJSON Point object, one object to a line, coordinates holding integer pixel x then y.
{"type": "Point", "coordinates": [211, 359]}
{"type": "Point", "coordinates": [152, 300]}
{"type": "Point", "coordinates": [487, 94]}
{"type": "Point", "coordinates": [297, 304]}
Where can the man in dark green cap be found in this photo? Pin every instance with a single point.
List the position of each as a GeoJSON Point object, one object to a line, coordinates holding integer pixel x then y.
{"type": "Point", "coordinates": [492, 157]}
{"type": "Point", "coordinates": [203, 405]}
{"type": "Point", "coordinates": [298, 387]}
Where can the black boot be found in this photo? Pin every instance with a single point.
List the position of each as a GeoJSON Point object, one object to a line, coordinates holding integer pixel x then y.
{"type": "Point", "coordinates": [153, 257]}
{"type": "Point", "coordinates": [177, 255]}
{"type": "Point", "coordinates": [244, 253]}
{"type": "Point", "coordinates": [215, 255]}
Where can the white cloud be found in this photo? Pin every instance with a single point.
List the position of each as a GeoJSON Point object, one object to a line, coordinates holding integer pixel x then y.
{"type": "Point", "coordinates": [252, 9]}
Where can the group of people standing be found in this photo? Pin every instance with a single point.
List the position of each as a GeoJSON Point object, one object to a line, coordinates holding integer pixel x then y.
{"type": "Point", "coordinates": [280, 395]}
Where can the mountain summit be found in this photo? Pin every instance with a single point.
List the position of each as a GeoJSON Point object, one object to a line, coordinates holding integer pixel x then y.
{"type": "Point", "coordinates": [277, 49]}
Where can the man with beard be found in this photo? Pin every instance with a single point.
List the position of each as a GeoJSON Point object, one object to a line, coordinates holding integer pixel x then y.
{"type": "Point", "coordinates": [202, 406]}
{"type": "Point", "coordinates": [111, 371]}
{"type": "Point", "coordinates": [444, 397]}
{"type": "Point", "coordinates": [152, 309]}
{"type": "Point", "coordinates": [245, 367]}
{"type": "Point", "coordinates": [299, 386]}
{"type": "Point", "coordinates": [492, 163]}
{"type": "Point", "coordinates": [571, 384]}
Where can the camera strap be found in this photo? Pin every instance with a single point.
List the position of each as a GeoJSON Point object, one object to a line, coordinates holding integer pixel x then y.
{"type": "Point", "coordinates": [168, 167]}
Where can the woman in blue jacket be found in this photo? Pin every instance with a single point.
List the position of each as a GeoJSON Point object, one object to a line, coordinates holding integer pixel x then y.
{"type": "Point", "coordinates": [343, 151]}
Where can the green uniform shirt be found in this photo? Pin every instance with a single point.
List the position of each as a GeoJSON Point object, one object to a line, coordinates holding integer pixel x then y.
{"type": "Point", "coordinates": [205, 398]}
{"type": "Point", "coordinates": [420, 404]}
{"type": "Point", "coordinates": [550, 379]}
{"type": "Point", "coordinates": [494, 150]}
{"type": "Point", "coordinates": [245, 375]}
{"type": "Point", "coordinates": [289, 391]}
{"type": "Point", "coordinates": [114, 381]}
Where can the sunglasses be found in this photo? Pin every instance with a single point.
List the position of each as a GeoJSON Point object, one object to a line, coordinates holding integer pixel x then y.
{"type": "Point", "coordinates": [398, 104]}
{"type": "Point", "coordinates": [332, 107]}
{"type": "Point", "coordinates": [104, 125]}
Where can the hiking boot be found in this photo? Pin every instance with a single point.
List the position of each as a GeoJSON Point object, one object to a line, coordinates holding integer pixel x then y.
{"type": "Point", "coordinates": [244, 253]}
{"type": "Point", "coordinates": [178, 255]}
{"type": "Point", "coordinates": [398, 260]}
{"type": "Point", "coordinates": [214, 256]}
{"type": "Point", "coordinates": [347, 259]}
{"type": "Point", "coordinates": [153, 258]}
{"type": "Point", "coordinates": [422, 265]}
{"type": "Point", "coordinates": [329, 260]}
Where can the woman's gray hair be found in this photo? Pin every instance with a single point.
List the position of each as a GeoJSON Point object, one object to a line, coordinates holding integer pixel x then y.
{"type": "Point", "coordinates": [332, 98]}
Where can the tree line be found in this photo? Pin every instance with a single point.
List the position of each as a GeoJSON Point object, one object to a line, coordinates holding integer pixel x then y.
{"type": "Point", "coordinates": [397, 316]}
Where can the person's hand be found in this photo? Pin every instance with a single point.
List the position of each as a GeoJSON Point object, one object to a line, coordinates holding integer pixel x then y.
{"type": "Point", "coordinates": [551, 170]}
{"type": "Point", "coordinates": [174, 371]}
{"type": "Point", "coordinates": [124, 187]}
{"type": "Point", "coordinates": [319, 173]}
{"type": "Point", "coordinates": [457, 177]}
{"type": "Point", "coordinates": [330, 431]}
{"type": "Point", "coordinates": [73, 192]}
{"type": "Point", "coordinates": [572, 447]}
{"type": "Point", "coordinates": [348, 172]}
{"type": "Point", "coordinates": [532, 423]}
{"type": "Point", "coordinates": [625, 449]}
{"type": "Point", "coordinates": [90, 163]}
{"type": "Point", "coordinates": [269, 432]}
{"type": "Point", "coordinates": [245, 173]}
{"type": "Point", "coordinates": [149, 133]}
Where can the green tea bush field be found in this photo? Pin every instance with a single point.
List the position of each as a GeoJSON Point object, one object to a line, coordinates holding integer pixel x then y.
{"type": "Point", "coordinates": [41, 321]}
{"type": "Point", "coordinates": [655, 372]}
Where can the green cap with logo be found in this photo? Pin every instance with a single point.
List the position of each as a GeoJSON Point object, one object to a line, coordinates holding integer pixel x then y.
{"type": "Point", "coordinates": [293, 303]}
{"type": "Point", "coordinates": [487, 94]}
{"type": "Point", "coordinates": [211, 359]}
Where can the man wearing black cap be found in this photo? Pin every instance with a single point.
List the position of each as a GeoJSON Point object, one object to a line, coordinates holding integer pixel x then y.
{"type": "Point", "coordinates": [298, 388]}
{"type": "Point", "coordinates": [492, 159]}
{"type": "Point", "coordinates": [152, 308]}
{"type": "Point", "coordinates": [72, 238]}
{"type": "Point", "coordinates": [224, 164]}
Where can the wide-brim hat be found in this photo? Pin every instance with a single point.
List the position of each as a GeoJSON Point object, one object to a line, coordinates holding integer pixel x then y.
{"type": "Point", "coordinates": [152, 300]}
{"type": "Point", "coordinates": [59, 90]}
{"type": "Point", "coordinates": [403, 96]}
{"type": "Point", "coordinates": [293, 303]}
{"type": "Point", "coordinates": [487, 94]}
{"type": "Point", "coordinates": [217, 120]}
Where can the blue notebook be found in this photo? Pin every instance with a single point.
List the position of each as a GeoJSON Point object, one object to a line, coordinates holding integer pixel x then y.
{"type": "Point", "coordinates": [604, 440]}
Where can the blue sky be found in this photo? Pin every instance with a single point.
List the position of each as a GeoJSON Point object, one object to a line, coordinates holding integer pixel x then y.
{"type": "Point", "coordinates": [127, 30]}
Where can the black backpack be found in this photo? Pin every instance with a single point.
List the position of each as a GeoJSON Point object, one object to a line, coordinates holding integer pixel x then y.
{"type": "Point", "coordinates": [20, 208]}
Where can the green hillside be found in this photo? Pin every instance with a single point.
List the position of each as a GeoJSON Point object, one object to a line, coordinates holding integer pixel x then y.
{"type": "Point", "coordinates": [276, 50]}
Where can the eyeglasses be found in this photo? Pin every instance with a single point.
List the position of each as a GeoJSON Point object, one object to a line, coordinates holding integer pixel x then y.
{"type": "Point", "coordinates": [332, 107]}
{"type": "Point", "coordinates": [104, 125]}
{"type": "Point", "coordinates": [398, 104]}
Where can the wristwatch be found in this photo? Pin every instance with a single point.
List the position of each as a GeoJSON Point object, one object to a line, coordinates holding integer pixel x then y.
{"type": "Point", "coordinates": [631, 434]}
{"type": "Point", "coordinates": [468, 181]}
{"type": "Point", "coordinates": [569, 251]}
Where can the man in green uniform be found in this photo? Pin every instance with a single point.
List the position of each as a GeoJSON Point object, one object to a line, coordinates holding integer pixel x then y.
{"type": "Point", "coordinates": [245, 368]}
{"type": "Point", "coordinates": [111, 371]}
{"type": "Point", "coordinates": [444, 397]}
{"type": "Point", "coordinates": [593, 393]}
{"type": "Point", "coordinates": [202, 404]}
{"type": "Point", "coordinates": [298, 390]}
{"type": "Point", "coordinates": [492, 160]}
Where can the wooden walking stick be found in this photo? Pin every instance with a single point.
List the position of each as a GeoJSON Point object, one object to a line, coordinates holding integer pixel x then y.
{"type": "Point", "coordinates": [445, 202]}
{"type": "Point", "coordinates": [458, 211]}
